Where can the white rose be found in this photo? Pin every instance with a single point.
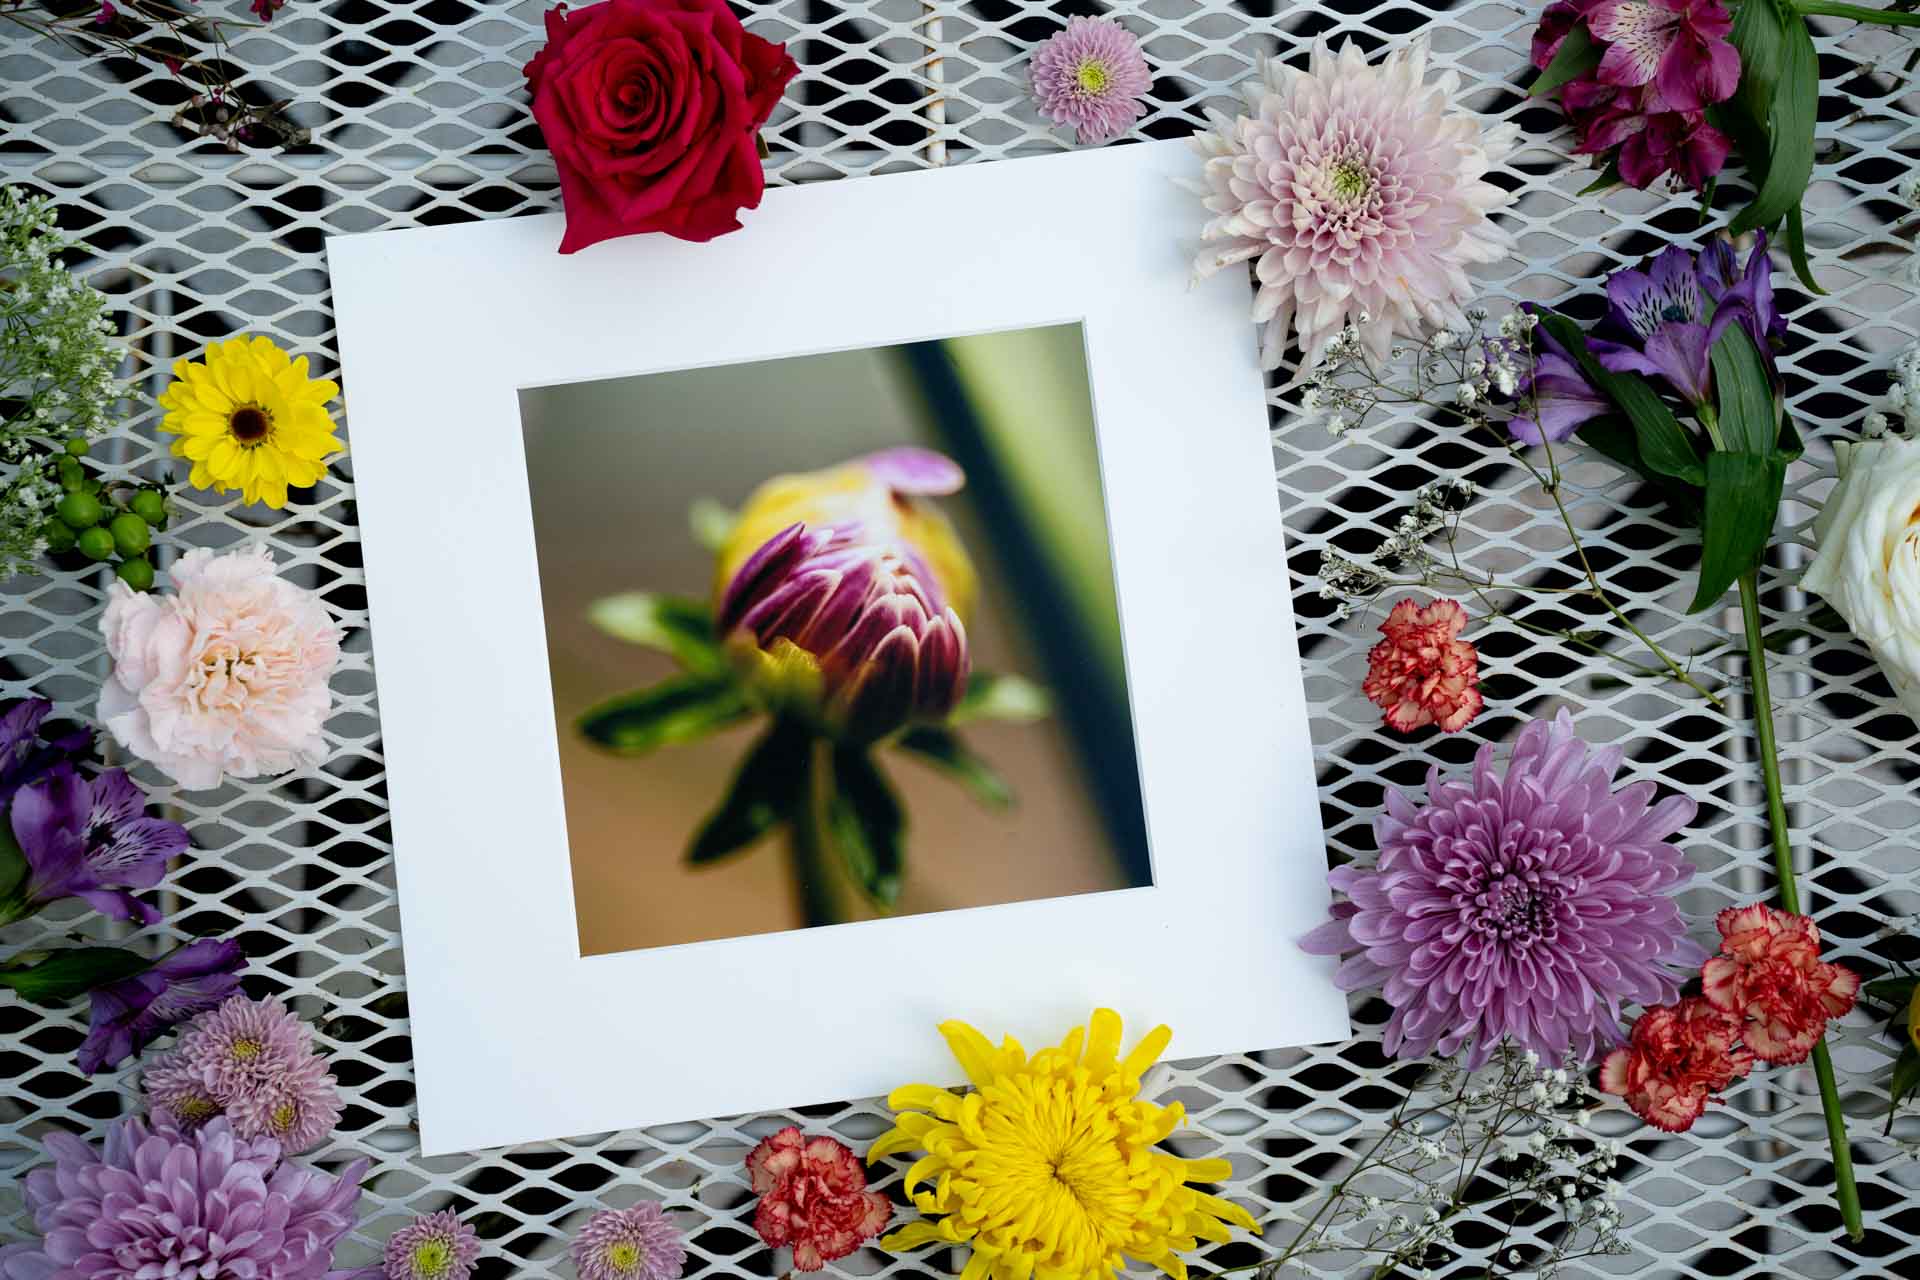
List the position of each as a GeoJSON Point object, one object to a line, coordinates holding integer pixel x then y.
{"type": "Point", "coordinates": [1868, 562]}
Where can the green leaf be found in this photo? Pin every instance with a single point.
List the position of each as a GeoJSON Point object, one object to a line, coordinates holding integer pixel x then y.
{"type": "Point", "coordinates": [676, 626]}
{"type": "Point", "coordinates": [1578, 54]}
{"type": "Point", "coordinates": [1791, 114]}
{"type": "Point", "coordinates": [1743, 495]}
{"type": "Point", "coordinates": [1760, 36]}
{"type": "Point", "coordinates": [712, 523]}
{"type": "Point", "coordinates": [770, 782]}
{"type": "Point", "coordinates": [1906, 1075]}
{"type": "Point", "coordinates": [1665, 447]}
{"type": "Point", "coordinates": [678, 709]}
{"type": "Point", "coordinates": [1609, 179]}
{"type": "Point", "coordinates": [13, 870]}
{"type": "Point", "coordinates": [1612, 438]}
{"type": "Point", "coordinates": [946, 752]}
{"type": "Point", "coordinates": [865, 823]}
{"type": "Point", "coordinates": [1797, 251]}
{"type": "Point", "coordinates": [1749, 411]}
{"type": "Point", "coordinates": [1891, 991]}
{"type": "Point", "coordinates": [66, 974]}
{"type": "Point", "coordinates": [995, 697]}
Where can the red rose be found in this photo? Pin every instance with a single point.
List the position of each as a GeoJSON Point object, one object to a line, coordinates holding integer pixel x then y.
{"type": "Point", "coordinates": [651, 109]}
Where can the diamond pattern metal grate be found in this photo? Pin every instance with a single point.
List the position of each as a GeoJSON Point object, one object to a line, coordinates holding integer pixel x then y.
{"type": "Point", "coordinates": [418, 117]}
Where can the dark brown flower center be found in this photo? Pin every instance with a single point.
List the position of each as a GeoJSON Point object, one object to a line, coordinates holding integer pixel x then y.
{"type": "Point", "coordinates": [249, 424]}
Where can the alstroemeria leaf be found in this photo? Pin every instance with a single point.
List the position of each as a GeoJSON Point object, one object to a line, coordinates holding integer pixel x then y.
{"type": "Point", "coordinates": [865, 824]}
{"type": "Point", "coordinates": [1612, 437]}
{"type": "Point", "coordinates": [1891, 991]}
{"type": "Point", "coordinates": [1665, 446]}
{"type": "Point", "coordinates": [1743, 496]}
{"type": "Point", "coordinates": [13, 866]}
{"type": "Point", "coordinates": [678, 709]}
{"type": "Point", "coordinates": [1791, 113]}
{"type": "Point", "coordinates": [947, 753]}
{"type": "Point", "coordinates": [1906, 1076]}
{"type": "Point", "coordinates": [1578, 54]}
{"type": "Point", "coordinates": [66, 974]}
{"type": "Point", "coordinates": [766, 791]}
{"type": "Point", "coordinates": [1750, 413]}
{"type": "Point", "coordinates": [1609, 179]}
{"type": "Point", "coordinates": [674, 625]}
{"type": "Point", "coordinates": [1001, 697]}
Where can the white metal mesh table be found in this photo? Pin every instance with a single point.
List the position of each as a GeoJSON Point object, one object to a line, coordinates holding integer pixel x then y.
{"type": "Point", "coordinates": [418, 116]}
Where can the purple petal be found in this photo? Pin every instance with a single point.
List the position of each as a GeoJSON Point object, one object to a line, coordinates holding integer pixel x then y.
{"type": "Point", "coordinates": [907, 469]}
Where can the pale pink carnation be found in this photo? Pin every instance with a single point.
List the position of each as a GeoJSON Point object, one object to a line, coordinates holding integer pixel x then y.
{"type": "Point", "coordinates": [1360, 193]}
{"type": "Point", "coordinates": [227, 677]}
{"type": "Point", "coordinates": [1092, 77]}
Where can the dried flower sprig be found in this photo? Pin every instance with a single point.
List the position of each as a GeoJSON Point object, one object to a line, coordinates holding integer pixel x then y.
{"type": "Point", "coordinates": [189, 45]}
{"type": "Point", "coordinates": [1480, 380]}
{"type": "Point", "coordinates": [1465, 1163]}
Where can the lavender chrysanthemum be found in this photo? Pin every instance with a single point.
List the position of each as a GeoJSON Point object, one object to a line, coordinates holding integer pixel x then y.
{"type": "Point", "coordinates": [176, 1096]}
{"type": "Point", "coordinates": [1530, 906]}
{"type": "Point", "coordinates": [297, 1107]}
{"type": "Point", "coordinates": [244, 1043]}
{"type": "Point", "coordinates": [1091, 76]}
{"type": "Point", "coordinates": [159, 1203]}
{"type": "Point", "coordinates": [1360, 192]}
{"type": "Point", "coordinates": [638, 1243]}
{"type": "Point", "coordinates": [437, 1246]}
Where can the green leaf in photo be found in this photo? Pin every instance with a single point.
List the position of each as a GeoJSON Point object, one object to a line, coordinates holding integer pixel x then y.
{"type": "Point", "coordinates": [678, 709]}
{"type": "Point", "coordinates": [1665, 448]}
{"type": "Point", "coordinates": [1743, 495]}
{"type": "Point", "coordinates": [712, 523]}
{"type": "Point", "coordinates": [944, 750]}
{"type": "Point", "coordinates": [1578, 54]}
{"type": "Point", "coordinates": [1750, 412]}
{"type": "Point", "coordinates": [676, 626]}
{"type": "Point", "coordinates": [66, 974]}
{"type": "Point", "coordinates": [766, 790]}
{"type": "Point", "coordinates": [1001, 697]}
{"type": "Point", "coordinates": [865, 824]}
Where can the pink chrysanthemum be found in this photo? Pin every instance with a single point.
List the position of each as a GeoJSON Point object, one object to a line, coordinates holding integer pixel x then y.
{"type": "Point", "coordinates": [1528, 905]}
{"type": "Point", "coordinates": [298, 1107]}
{"type": "Point", "coordinates": [244, 1042]}
{"type": "Point", "coordinates": [1091, 76]}
{"type": "Point", "coordinates": [1423, 672]}
{"type": "Point", "coordinates": [177, 1096]}
{"type": "Point", "coordinates": [436, 1247]}
{"type": "Point", "coordinates": [1361, 194]}
{"type": "Point", "coordinates": [637, 1243]}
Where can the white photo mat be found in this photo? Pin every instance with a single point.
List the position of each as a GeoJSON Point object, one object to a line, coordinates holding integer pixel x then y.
{"type": "Point", "coordinates": [516, 1037]}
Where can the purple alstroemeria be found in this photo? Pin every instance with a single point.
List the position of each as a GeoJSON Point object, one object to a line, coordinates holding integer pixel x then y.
{"type": "Point", "coordinates": [1555, 395]}
{"type": "Point", "coordinates": [1744, 292]}
{"type": "Point", "coordinates": [850, 630]}
{"type": "Point", "coordinates": [1670, 315]}
{"type": "Point", "coordinates": [1678, 46]}
{"type": "Point", "coordinates": [26, 756]}
{"type": "Point", "coordinates": [130, 1014]}
{"type": "Point", "coordinates": [89, 839]}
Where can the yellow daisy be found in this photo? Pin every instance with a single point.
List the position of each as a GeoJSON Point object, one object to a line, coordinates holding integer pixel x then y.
{"type": "Point", "coordinates": [1049, 1167]}
{"type": "Point", "coordinates": [250, 418]}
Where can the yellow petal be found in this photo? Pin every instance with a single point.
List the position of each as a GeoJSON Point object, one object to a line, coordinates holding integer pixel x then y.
{"type": "Point", "coordinates": [975, 1054]}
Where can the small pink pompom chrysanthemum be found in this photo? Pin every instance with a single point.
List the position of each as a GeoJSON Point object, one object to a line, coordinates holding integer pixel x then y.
{"type": "Point", "coordinates": [253, 1062]}
{"type": "Point", "coordinates": [1361, 194]}
{"type": "Point", "coordinates": [1423, 672]}
{"type": "Point", "coordinates": [1091, 76]}
{"type": "Point", "coordinates": [437, 1246]}
{"type": "Point", "coordinates": [637, 1243]}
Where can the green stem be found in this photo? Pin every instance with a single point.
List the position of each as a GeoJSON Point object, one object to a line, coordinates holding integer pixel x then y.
{"type": "Point", "coordinates": [812, 870]}
{"type": "Point", "coordinates": [1859, 13]}
{"type": "Point", "coordinates": [1843, 1185]}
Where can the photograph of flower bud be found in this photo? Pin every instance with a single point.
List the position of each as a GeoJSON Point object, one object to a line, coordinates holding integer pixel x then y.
{"type": "Point", "coordinates": [833, 638]}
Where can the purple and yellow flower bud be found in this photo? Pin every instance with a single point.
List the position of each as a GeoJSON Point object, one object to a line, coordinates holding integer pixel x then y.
{"type": "Point", "coordinates": [841, 594]}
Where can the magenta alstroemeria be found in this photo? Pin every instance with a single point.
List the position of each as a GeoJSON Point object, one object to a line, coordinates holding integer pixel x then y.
{"type": "Point", "coordinates": [847, 629]}
{"type": "Point", "coordinates": [1679, 46]}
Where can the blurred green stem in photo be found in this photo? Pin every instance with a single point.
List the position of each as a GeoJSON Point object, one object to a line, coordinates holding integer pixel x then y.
{"type": "Point", "coordinates": [1014, 409]}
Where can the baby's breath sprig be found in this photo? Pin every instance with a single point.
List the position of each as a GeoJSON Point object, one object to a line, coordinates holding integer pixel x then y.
{"type": "Point", "coordinates": [1501, 1162]}
{"type": "Point", "coordinates": [1481, 380]}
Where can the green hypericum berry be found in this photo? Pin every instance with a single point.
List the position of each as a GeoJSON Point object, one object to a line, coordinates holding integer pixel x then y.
{"type": "Point", "coordinates": [77, 446]}
{"type": "Point", "coordinates": [59, 537]}
{"type": "Point", "coordinates": [81, 510]}
{"type": "Point", "coordinates": [130, 533]}
{"type": "Point", "coordinates": [71, 476]}
{"type": "Point", "coordinates": [95, 543]}
{"type": "Point", "coordinates": [136, 573]}
{"type": "Point", "coordinates": [150, 506]}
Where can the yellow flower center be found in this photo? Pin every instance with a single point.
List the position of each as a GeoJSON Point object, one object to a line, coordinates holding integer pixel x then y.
{"type": "Point", "coordinates": [1351, 180]}
{"type": "Point", "coordinates": [245, 1050]}
{"type": "Point", "coordinates": [249, 425]}
{"type": "Point", "coordinates": [623, 1255]}
{"type": "Point", "coordinates": [432, 1257]}
{"type": "Point", "coordinates": [283, 1117]}
{"type": "Point", "coordinates": [1092, 76]}
{"type": "Point", "coordinates": [195, 1108]}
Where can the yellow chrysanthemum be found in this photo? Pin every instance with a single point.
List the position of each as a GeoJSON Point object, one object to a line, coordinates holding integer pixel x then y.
{"type": "Point", "coordinates": [250, 418]}
{"type": "Point", "coordinates": [1049, 1167]}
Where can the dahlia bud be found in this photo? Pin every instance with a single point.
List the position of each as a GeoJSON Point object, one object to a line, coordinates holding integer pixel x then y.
{"type": "Point", "coordinates": [841, 593]}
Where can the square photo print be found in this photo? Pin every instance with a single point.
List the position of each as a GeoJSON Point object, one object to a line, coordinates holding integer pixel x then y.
{"type": "Point", "coordinates": [833, 637]}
